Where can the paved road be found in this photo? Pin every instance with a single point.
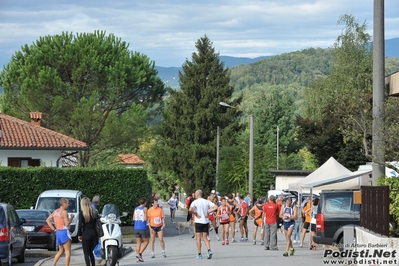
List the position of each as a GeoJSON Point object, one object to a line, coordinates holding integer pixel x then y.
{"type": "Point", "coordinates": [181, 250]}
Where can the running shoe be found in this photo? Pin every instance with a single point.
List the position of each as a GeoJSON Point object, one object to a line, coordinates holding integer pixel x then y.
{"type": "Point", "coordinates": [152, 255]}
{"type": "Point", "coordinates": [285, 254]}
{"type": "Point", "coordinates": [254, 242]}
{"type": "Point", "coordinates": [292, 251]}
{"type": "Point", "coordinates": [242, 240]}
{"type": "Point", "coordinates": [163, 254]}
{"type": "Point", "coordinates": [227, 241]}
{"type": "Point", "coordinates": [209, 255]}
{"type": "Point", "coordinates": [211, 229]}
{"type": "Point", "coordinates": [217, 237]}
{"type": "Point", "coordinates": [223, 242]}
{"type": "Point", "coordinates": [139, 258]}
{"type": "Point", "coordinates": [233, 240]}
{"type": "Point", "coordinates": [262, 243]}
{"type": "Point", "coordinates": [198, 256]}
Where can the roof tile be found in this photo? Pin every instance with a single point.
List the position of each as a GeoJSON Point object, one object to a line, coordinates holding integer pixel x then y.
{"type": "Point", "coordinates": [16, 133]}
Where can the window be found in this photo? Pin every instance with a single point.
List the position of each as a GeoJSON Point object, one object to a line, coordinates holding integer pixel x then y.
{"type": "Point", "coordinates": [23, 162]}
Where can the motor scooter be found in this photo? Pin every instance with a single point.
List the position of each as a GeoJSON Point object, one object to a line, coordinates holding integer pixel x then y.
{"type": "Point", "coordinates": [111, 242]}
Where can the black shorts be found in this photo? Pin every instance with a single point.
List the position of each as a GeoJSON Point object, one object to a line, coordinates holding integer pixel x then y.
{"type": "Point", "coordinates": [313, 227]}
{"type": "Point", "coordinates": [142, 233]}
{"type": "Point", "coordinates": [156, 229]}
{"type": "Point", "coordinates": [306, 225]}
{"type": "Point", "coordinates": [201, 228]}
{"type": "Point", "coordinates": [244, 219]}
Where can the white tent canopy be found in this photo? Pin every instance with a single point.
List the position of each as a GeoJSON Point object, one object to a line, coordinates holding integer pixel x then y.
{"type": "Point", "coordinates": [348, 181]}
{"type": "Point", "coordinates": [330, 170]}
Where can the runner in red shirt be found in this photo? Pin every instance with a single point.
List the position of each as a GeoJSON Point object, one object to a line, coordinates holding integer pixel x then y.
{"type": "Point", "coordinates": [243, 220]}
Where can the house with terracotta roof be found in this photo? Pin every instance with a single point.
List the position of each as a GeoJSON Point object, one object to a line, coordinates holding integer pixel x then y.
{"type": "Point", "coordinates": [130, 160]}
{"type": "Point", "coordinates": [29, 144]}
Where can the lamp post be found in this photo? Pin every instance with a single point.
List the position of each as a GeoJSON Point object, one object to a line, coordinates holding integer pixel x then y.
{"type": "Point", "coordinates": [251, 147]}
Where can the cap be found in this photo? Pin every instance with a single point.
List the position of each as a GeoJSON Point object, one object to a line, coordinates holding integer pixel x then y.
{"type": "Point", "coordinates": [213, 191]}
{"type": "Point", "coordinates": [272, 198]}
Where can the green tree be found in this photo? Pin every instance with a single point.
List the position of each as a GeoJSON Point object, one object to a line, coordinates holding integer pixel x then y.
{"type": "Point", "coordinates": [344, 97]}
{"type": "Point", "coordinates": [79, 82]}
{"type": "Point", "coordinates": [187, 141]}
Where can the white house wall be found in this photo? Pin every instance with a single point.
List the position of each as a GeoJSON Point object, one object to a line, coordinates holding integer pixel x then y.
{"type": "Point", "coordinates": [283, 181]}
{"type": "Point", "coordinates": [48, 157]}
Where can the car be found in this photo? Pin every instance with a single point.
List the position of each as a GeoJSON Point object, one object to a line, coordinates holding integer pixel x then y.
{"type": "Point", "coordinates": [49, 201]}
{"type": "Point", "coordinates": [335, 210]}
{"type": "Point", "coordinates": [38, 233]}
{"type": "Point", "coordinates": [12, 234]}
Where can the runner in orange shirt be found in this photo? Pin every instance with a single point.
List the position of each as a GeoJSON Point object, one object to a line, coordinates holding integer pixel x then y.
{"type": "Point", "coordinates": [156, 225]}
{"type": "Point", "coordinates": [256, 213]}
{"type": "Point", "coordinates": [307, 213]}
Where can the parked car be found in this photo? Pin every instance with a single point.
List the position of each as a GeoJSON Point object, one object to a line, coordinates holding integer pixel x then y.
{"type": "Point", "coordinates": [335, 210]}
{"type": "Point", "coordinates": [12, 234]}
{"type": "Point", "coordinates": [49, 201]}
{"type": "Point", "coordinates": [38, 233]}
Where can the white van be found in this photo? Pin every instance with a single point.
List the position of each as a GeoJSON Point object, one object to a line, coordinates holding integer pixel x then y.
{"type": "Point", "coordinates": [277, 193]}
{"type": "Point", "coordinates": [49, 200]}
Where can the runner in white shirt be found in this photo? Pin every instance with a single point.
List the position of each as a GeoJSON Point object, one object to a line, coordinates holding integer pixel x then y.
{"type": "Point", "coordinates": [201, 208]}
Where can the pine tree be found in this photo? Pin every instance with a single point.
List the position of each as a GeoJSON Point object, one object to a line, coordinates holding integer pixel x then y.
{"type": "Point", "coordinates": [187, 145]}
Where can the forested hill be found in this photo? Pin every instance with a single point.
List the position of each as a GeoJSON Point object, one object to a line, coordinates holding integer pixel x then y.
{"type": "Point", "coordinates": [300, 67]}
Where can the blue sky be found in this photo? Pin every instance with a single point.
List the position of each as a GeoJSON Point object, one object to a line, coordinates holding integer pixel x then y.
{"type": "Point", "coordinates": [166, 30]}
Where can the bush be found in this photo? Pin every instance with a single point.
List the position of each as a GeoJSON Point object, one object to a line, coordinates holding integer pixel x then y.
{"type": "Point", "coordinates": [120, 186]}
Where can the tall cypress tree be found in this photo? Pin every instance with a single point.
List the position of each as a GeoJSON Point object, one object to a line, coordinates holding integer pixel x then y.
{"type": "Point", "coordinates": [187, 144]}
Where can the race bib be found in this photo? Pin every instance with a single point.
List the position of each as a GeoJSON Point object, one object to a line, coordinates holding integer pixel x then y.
{"type": "Point", "coordinates": [225, 216]}
{"type": "Point", "coordinates": [157, 220]}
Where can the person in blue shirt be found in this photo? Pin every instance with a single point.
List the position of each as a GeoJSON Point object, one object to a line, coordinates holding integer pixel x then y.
{"type": "Point", "coordinates": [141, 229]}
{"type": "Point", "coordinates": [95, 201]}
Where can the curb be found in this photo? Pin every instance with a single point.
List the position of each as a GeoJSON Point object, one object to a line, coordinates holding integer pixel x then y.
{"type": "Point", "coordinates": [99, 262]}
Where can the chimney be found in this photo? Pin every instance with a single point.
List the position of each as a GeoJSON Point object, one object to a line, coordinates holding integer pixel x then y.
{"type": "Point", "coordinates": [35, 118]}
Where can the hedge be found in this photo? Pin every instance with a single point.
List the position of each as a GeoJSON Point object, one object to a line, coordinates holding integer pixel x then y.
{"type": "Point", "coordinates": [121, 186]}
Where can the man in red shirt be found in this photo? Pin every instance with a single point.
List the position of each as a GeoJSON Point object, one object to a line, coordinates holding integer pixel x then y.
{"type": "Point", "coordinates": [270, 215]}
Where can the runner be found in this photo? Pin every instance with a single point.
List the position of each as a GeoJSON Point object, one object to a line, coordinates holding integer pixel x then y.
{"type": "Point", "coordinates": [235, 208]}
{"type": "Point", "coordinates": [306, 212]}
{"type": "Point", "coordinates": [173, 206]}
{"type": "Point", "coordinates": [141, 229]}
{"type": "Point", "coordinates": [201, 208]}
{"type": "Point", "coordinates": [156, 226]}
{"type": "Point", "coordinates": [256, 213]}
{"type": "Point", "coordinates": [288, 213]}
{"type": "Point", "coordinates": [313, 223]}
{"type": "Point", "coordinates": [212, 215]}
{"type": "Point", "coordinates": [243, 219]}
{"type": "Point", "coordinates": [223, 214]}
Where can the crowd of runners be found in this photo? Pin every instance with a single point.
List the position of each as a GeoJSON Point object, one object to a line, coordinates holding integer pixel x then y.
{"type": "Point", "coordinates": [227, 216]}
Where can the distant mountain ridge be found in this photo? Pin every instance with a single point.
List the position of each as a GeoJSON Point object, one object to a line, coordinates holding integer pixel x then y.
{"type": "Point", "coordinates": [170, 75]}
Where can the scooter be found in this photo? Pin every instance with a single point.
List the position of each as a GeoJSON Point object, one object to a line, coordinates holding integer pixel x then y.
{"type": "Point", "coordinates": [111, 242]}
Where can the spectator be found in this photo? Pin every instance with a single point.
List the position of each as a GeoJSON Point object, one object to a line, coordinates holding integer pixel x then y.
{"type": "Point", "coordinates": [87, 230]}
{"type": "Point", "coordinates": [95, 201]}
{"type": "Point", "coordinates": [270, 214]}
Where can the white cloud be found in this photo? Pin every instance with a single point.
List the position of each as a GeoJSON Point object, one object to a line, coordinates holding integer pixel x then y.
{"type": "Point", "coordinates": [167, 30]}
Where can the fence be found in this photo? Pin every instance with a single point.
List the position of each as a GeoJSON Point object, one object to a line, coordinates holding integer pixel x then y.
{"type": "Point", "coordinates": [374, 214]}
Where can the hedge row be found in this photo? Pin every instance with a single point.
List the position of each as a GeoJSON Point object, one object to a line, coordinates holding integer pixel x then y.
{"type": "Point", "coordinates": [121, 186]}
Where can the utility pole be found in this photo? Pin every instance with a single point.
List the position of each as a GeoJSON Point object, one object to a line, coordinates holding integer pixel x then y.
{"type": "Point", "coordinates": [378, 147]}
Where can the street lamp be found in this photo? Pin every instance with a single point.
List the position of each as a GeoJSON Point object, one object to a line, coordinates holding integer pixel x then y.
{"type": "Point", "coordinates": [251, 147]}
